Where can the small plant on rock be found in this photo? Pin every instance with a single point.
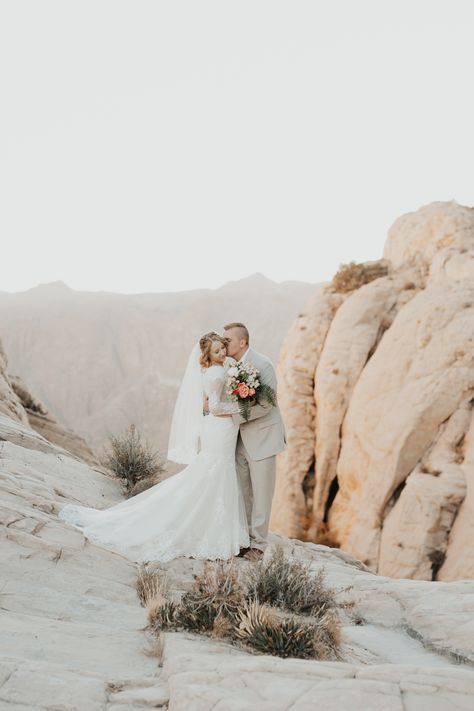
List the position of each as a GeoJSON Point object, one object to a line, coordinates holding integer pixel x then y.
{"type": "Point", "coordinates": [254, 611]}
{"type": "Point", "coordinates": [354, 275]}
{"type": "Point", "coordinates": [149, 585]}
{"type": "Point", "coordinates": [216, 595]}
{"type": "Point", "coordinates": [218, 587]}
{"type": "Point", "coordinates": [133, 462]}
{"type": "Point", "coordinates": [289, 584]}
{"type": "Point", "coordinates": [267, 632]}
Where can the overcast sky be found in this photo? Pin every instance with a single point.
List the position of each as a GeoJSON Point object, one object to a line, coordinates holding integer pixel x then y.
{"type": "Point", "coordinates": [168, 145]}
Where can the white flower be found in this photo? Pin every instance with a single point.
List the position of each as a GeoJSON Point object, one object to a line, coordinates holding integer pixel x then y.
{"type": "Point", "coordinates": [233, 371]}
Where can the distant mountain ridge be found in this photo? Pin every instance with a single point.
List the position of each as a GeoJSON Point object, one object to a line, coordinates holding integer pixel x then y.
{"type": "Point", "coordinates": [101, 360]}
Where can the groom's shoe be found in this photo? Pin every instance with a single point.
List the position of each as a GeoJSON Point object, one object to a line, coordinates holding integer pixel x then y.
{"type": "Point", "coordinates": [242, 552]}
{"type": "Point", "coordinates": [254, 554]}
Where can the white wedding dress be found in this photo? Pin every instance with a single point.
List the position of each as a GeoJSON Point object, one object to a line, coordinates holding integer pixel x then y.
{"type": "Point", "coordinates": [199, 512]}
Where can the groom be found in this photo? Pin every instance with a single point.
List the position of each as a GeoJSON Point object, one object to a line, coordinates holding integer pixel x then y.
{"type": "Point", "coordinates": [258, 442]}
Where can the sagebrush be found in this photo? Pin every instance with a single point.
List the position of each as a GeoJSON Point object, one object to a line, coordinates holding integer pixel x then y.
{"type": "Point", "coordinates": [277, 607]}
{"type": "Point", "coordinates": [289, 584]}
{"type": "Point", "coordinates": [133, 461]}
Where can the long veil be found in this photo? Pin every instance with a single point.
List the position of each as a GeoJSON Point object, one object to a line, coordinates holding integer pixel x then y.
{"type": "Point", "coordinates": [183, 442]}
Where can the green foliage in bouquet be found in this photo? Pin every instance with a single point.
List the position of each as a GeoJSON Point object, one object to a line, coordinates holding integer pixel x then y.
{"type": "Point", "coordinates": [246, 387]}
{"type": "Point", "coordinates": [245, 407]}
{"type": "Point", "coordinates": [264, 395]}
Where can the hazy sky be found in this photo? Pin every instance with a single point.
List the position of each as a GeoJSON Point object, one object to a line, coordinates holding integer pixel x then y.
{"type": "Point", "coordinates": [167, 145]}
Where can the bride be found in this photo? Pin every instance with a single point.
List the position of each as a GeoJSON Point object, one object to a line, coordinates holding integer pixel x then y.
{"type": "Point", "coordinates": [200, 512]}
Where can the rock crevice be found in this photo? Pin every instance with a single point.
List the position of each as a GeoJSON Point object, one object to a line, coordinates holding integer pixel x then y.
{"type": "Point", "coordinates": [388, 372]}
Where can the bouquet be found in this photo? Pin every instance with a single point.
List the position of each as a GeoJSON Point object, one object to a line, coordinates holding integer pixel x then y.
{"type": "Point", "coordinates": [245, 386]}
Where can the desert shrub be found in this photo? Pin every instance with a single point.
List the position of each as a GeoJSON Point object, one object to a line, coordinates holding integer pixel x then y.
{"type": "Point", "coordinates": [216, 594]}
{"type": "Point", "coordinates": [289, 584]}
{"type": "Point", "coordinates": [145, 483]}
{"type": "Point", "coordinates": [132, 461]}
{"type": "Point", "coordinates": [354, 275]}
{"type": "Point", "coordinates": [224, 606]}
{"type": "Point", "coordinates": [194, 616]}
{"type": "Point", "coordinates": [219, 587]}
{"type": "Point", "coordinates": [264, 630]}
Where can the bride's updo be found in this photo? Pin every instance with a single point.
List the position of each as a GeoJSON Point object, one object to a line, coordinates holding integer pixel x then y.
{"type": "Point", "coordinates": [205, 344]}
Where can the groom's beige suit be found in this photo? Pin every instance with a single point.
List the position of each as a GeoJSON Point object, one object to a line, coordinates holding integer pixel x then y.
{"type": "Point", "coordinates": [258, 442]}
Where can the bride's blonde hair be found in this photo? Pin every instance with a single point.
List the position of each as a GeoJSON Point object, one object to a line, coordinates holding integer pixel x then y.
{"type": "Point", "coordinates": [205, 343]}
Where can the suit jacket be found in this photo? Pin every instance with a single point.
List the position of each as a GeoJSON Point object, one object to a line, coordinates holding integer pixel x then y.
{"type": "Point", "coordinates": [264, 434]}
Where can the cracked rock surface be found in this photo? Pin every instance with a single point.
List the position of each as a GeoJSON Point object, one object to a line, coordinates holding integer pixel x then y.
{"type": "Point", "coordinates": [71, 627]}
{"type": "Point", "coordinates": [73, 635]}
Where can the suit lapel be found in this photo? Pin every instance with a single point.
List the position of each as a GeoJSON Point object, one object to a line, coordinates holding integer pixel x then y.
{"type": "Point", "coordinates": [250, 357]}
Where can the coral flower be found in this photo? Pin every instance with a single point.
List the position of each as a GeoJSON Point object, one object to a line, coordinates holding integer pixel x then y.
{"type": "Point", "coordinates": [244, 390]}
{"type": "Point", "coordinates": [252, 391]}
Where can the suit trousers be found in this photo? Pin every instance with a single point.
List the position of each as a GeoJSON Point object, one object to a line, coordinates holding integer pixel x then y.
{"type": "Point", "coordinates": [257, 482]}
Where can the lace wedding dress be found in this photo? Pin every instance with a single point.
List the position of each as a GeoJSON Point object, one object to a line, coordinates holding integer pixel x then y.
{"type": "Point", "coordinates": [197, 513]}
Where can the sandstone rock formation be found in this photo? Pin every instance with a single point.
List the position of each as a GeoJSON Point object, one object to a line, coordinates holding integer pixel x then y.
{"type": "Point", "coordinates": [73, 634]}
{"type": "Point", "coordinates": [70, 624]}
{"type": "Point", "coordinates": [10, 403]}
{"type": "Point", "coordinates": [17, 401]}
{"type": "Point", "coordinates": [377, 393]}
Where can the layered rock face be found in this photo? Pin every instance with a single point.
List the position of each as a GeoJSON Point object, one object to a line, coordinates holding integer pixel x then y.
{"type": "Point", "coordinates": [10, 403]}
{"type": "Point", "coordinates": [17, 402]}
{"type": "Point", "coordinates": [377, 393]}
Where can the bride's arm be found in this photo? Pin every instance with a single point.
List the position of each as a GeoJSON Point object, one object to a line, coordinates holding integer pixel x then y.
{"type": "Point", "coordinates": [216, 406]}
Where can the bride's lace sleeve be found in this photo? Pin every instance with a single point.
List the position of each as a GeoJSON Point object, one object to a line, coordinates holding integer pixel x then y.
{"type": "Point", "coordinates": [216, 405]}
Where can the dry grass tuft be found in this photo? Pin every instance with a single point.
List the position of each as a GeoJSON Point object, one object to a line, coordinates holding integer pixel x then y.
{"type": "Point", "coordinates": [289, 584]}
{"type": "Point", "coordinates": [223, 627]}
{"type": "Point", "coordinates": [219, 587]}
{"type": "Point", "coordinates": [216, 593]}
{"type": "Point", "coordinates": [353, 275]}
{"type": "Point", "coordinates": [328, 636]}
{"type": "Point", "coordinates": [149, 585]}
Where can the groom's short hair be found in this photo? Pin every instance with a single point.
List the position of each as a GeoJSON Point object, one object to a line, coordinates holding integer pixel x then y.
{"type": "Point", "coordinates": [244, 333]}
